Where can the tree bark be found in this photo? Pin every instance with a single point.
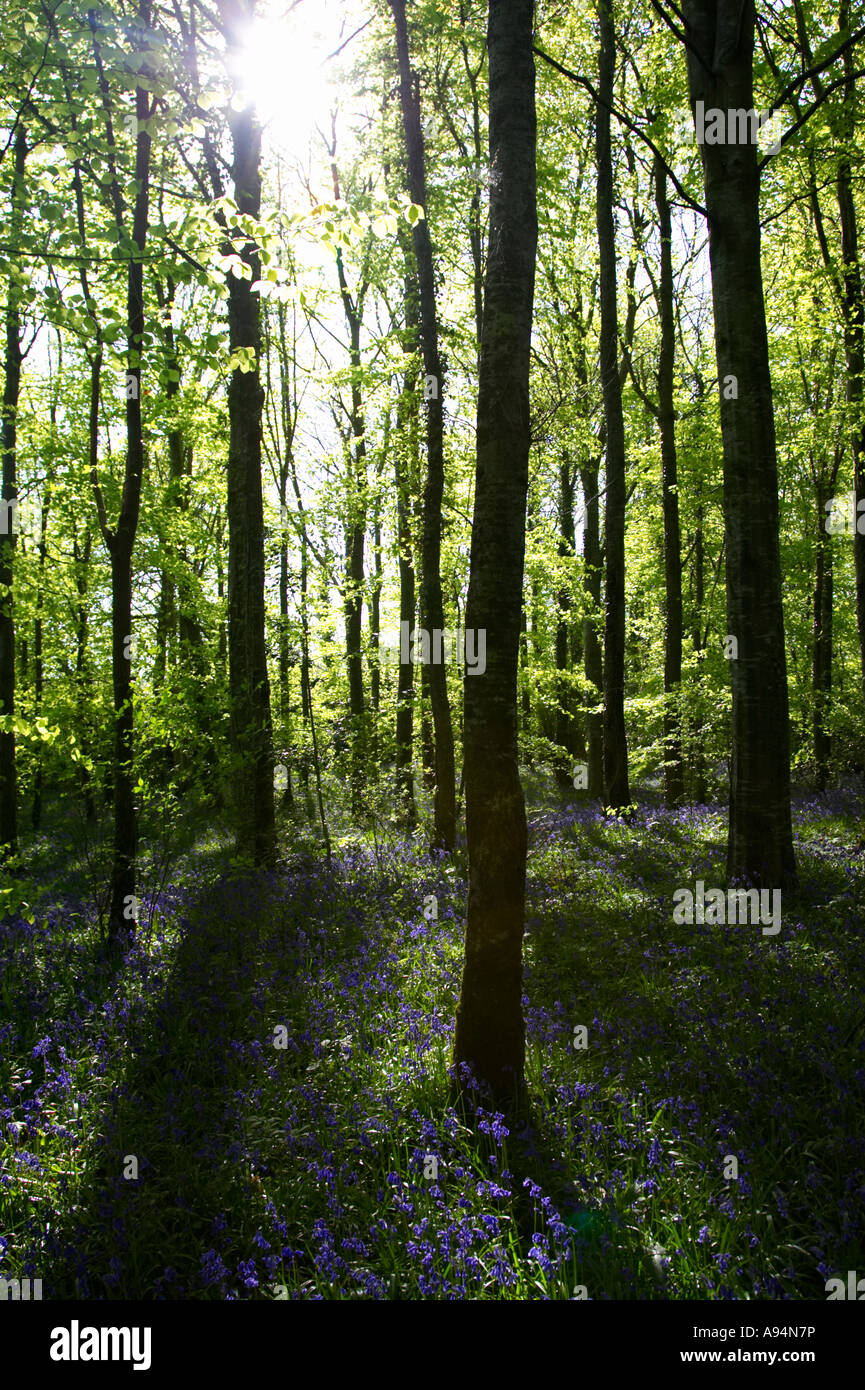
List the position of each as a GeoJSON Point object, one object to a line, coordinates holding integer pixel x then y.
{"type": "Point", "coordinates": [673, 769]}
{"type": "Point", "coordinates": [83, 679]}
{"type": "Point", "coordinates": [249, 686]}
{"type": "Point", "coordinates": [854, 349]}
{"type": "Point", "coordinates": [822, 648]}
{"type": "Point", "coordinates": [8, 522]}
{"type": "Point", "coordinates": [355, 533]}
{"type": "Point", "coordinates": [120, 540]}
{"type": "Point", "coordinates": [760, 843]}
{"type": "Point", "coordinates": [593, 660]}
{"type": "Point", "coordinates": [699, 571]}
{"type": "Point", "coordinates": [848, 287]}
{"type": "Point", "coordinates": [284, 403]}
{"type": "Point", "coordinates": [825, 476]}
{"type": "Point", "coordinates": [432, 604]}
{"type": "Point", "coordinates": [490, 1029]}
{"type": "Point", "coordinates": [616, 789]}
{"type": "Point", "coordinates": [566, 737]}
{"type": "Point", "coordinates": [406, 469]}
{"type": "Point", "coordinates": [38, 661]}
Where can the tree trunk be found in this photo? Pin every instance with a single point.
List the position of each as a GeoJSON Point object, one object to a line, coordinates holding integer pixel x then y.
{"type": "Point", "coordinates": [249, 686]}
{"type": "Point", "coordinates": [376, 585]}
{"type": "Point", "coordinates": [405, 470]}
{"type": "Point", "coordinates": [760, 844]}
{"type": "Point", "coordinates": [283, 441]}
{"type": "Point", "coordinates": [593, 660]}
{"type": "Point", "coordinates": [616, 790]}
{"type": "Point", "coordinates": [854, 349]}
{"type": "Point", "coordinates": [8, 521]}
{"type": "Point", "coordinates": [432, 604]}
{"type": "Point", "coordinates": [222, 644]}
{"type": "Point", "coordinates": [120, 541]}
{"type": "Point", "coordinates": [179, 612]}
{"type": "Point", "coordinates": [526, 693]}
{"type": "Point", "coordinates": [355, 531]}
{"type": "Point", "coordinates": [673, 769]}
{"type": "Point", "coordinates": [83, 680]}
{"type": "Point", "coordinates": [426, 730]}
{"type": "Point", "coordinates": [848, 285]}
{"type": "Point", "coordinates": [305, 690]}
{"type": "Point", "coordinates": [355, 536]}
{"type": "Point", "coordinates": [822, 652]}
{"type": "Point", "coordinates": [38, 662]}
{"type": "Point", "coordinates": [490, 1029]}
{"type": "Point", "coordinates": [165, 621]}
{"type": "Point", "coordinates": [565, 729]}
{"type": "Point", "coordinates": [535, 713]}
{"type": "Point", "coordinates": [700, 788]}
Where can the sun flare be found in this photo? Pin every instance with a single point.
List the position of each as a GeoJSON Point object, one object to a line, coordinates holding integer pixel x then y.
{"type": "Point", "coordinates": [281, 69]}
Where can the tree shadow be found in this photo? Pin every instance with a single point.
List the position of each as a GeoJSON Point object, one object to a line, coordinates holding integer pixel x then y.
{"type": "Point", "coordinates": [743, 1038]}
{"type": "Point", "coordinates": [163, 1163]}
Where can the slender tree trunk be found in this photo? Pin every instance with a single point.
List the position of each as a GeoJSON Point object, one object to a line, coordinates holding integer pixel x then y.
{"type": "Point", "coordinates": [222, 644]}
{"type": "Point", "coordinates": [593, 661]}
{"type": "Point", "coordinates": [38, 662]}
{"type": "Point", "coordinates": [120, 541]}
{"type": "Point", "coordinates": [405, 466]}
{"type": "Point", "coordinates": [123, 877]}
{"type": "Point", "coordinates": [283, 439]}
{"type": "Point", "coordinates": [83, 680]}
{"type": "Point", "coordinates": [854, 348]}
{"type": "Point", "coordinates": [526, 693]}
{"type": "Point", "coordinates": [251, 729]}
{"type": "Point", "coordinates": [426, 731]}
{"type": "Point", "coordinates": [564, 732]}
{"type": "Point", "coordinates": [490, 1029]}
{"type": "Point", "coordinates": [178, 613]}
{"type": "Point", "coordinates": [355, 536]}
{"type": "Point", "coordinates": [8, 520]}
{"type": "Point", "coordinates": [284, 655]}
{"type": "Point", "coordinates": [164, 628]}
{"type": "Point", "coordinates": [355, 532]}
{"type": "Point", "coordinates": [355, 521]}
{"type": "Point", "coordinates": [305, 679]}
{"type": "Point", "coordinates": [616, 789]}
{"type": "Point", "coordinates": [432, 604]}
{"type": "Point", "coordinates": [535, 713]}
{"type": "Point", "coordinates": [822, 641]}
{"type": "Point", "coordinates": [760, 844]}
{"type": "Point", "coordinates": [700, 788]}
{"type": "Point", "coordinates": [375, 599]}
{"type": "Point", "coordinates": [673, 769]}
{"type": "Point", "coordinates": [305, 686]}
{"type": "Point", "coordinates": [593, 563]}
{"type": "Point", "coordinates": [305, 689]}
{"type": "Point", "coordinates": [847, 284]}
{"type": "Point", "coordinates": [476, 236]}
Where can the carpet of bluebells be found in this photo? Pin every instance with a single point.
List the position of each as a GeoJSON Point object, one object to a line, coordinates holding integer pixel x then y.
{"type": "Point", "coordinates": [250, 1101]}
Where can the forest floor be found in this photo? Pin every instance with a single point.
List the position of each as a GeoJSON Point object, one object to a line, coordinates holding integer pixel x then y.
{"type": "Point", "coordinates": [251, 1101]}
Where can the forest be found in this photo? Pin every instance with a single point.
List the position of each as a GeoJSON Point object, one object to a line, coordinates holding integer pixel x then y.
{"type": "Point", "coordinates": [432, 650]}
